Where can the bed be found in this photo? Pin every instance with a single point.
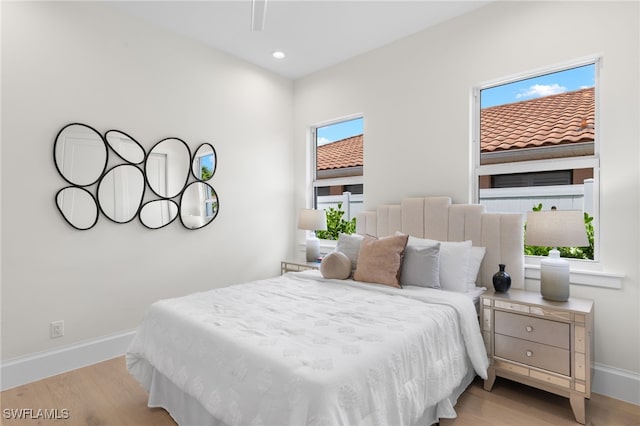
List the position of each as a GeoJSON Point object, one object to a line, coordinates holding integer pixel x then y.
{"type": "Point", "coordinates": [303, 349]}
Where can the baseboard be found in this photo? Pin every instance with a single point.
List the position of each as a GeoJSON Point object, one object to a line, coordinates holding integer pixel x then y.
{"type": "Point", "coordinates": [27, 369]}
{"type": "Point", "coordinates": [609, 381]}
{"type": "Point", "coordinates": [616, 383]}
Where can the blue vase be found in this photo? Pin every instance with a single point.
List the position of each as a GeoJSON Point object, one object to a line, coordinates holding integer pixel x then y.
{"type": "Point", "coordinates": [501, 280]}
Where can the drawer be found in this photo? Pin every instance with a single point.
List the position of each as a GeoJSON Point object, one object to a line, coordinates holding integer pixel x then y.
{"type": "Point", "coordinates": [534, 354]}
{"type": "Point", "coordinates": [539, 330]}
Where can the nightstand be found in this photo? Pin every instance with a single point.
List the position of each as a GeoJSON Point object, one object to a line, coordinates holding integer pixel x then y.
{"type": "Point", "coordinates": [540, 343]}
{"type": "Point", "coordinates": [297, 265]}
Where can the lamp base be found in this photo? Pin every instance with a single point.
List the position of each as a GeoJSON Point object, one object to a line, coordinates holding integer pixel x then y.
{"type": "Point", "coordinates": [554, 278]}
{"type": "Point", "coordinates": [313, 249]}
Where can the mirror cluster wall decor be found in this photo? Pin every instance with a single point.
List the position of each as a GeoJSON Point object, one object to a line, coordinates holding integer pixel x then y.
{"type": "Point", "coordinates": [81, 157]}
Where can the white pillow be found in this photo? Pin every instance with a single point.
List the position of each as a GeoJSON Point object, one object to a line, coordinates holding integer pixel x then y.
{"type": "Point", "coordinates": [349, 244]}
{"type": "Point", "coordinates": [335, 265]}
{"type": "Point", "coordinates": [475, 260]}
{"type": "Point", "coordinates": [420, 266]}
{"type": "Point", "coordinates": [454, 263]}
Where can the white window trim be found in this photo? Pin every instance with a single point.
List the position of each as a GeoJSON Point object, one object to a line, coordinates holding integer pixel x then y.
{"type": "Point", "coordinates": [354, 180]}
{"type": "Point", "coordinates": [583, 272]}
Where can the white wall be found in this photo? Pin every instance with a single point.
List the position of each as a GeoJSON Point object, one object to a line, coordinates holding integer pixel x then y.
{"type": "Point", "coordinates": [415, 96]}
{"type": "Point", "coordinates": [84, 62]}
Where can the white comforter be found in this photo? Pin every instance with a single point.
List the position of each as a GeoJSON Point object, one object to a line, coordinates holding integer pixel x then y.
{"type": "Point", "coordinates": [301, 350]}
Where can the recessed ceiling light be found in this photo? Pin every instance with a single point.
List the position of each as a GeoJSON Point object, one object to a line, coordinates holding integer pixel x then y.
{"type": "Point", "coordinates": [278, 54]}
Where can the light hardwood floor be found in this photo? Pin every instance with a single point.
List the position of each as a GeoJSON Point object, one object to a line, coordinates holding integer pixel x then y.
{"type": "Point", "coordinates": [106, 395]}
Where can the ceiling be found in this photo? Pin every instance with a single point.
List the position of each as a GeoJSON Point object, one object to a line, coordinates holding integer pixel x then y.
{"type": "Point", "coordinates": [313, 34]}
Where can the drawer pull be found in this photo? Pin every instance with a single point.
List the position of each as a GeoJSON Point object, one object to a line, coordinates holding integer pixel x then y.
{"type": "Point", "coordinates": [529, 354]}
{"type": "Point", "coordinates": [529, 329]}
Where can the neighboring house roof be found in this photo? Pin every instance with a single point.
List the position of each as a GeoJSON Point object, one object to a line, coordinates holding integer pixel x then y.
{"type": "Point", "coordinates": [552, 120]}
{"type": "Point", "coordinates": [563, 119]}
{"type": "Point", "coordinates": [340, 154]}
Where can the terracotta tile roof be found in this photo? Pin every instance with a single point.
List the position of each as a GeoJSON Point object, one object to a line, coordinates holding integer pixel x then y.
{"type": "Point", "coordinates": [553, 120]}
{"type": "Point", "coordinates": [340, 154]}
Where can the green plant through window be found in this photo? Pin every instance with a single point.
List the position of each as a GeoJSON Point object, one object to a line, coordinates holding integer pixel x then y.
{"type": "Point", "coordinates": [206, 173]}
{"type": "Point", "coordinates": [336, 224]}
{"type": "Point", "coordinates": [570, 252]}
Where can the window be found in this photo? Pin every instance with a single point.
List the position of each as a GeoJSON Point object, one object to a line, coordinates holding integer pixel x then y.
{"type": "Point", "coordinates": [338, 164]}
{"type": "Point", "coordinates": [535, 141]}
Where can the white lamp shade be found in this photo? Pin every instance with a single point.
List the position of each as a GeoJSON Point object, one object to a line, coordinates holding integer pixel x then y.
{"type": "Point", "coordinates": [556, 228]}
{"type": "Point", "coordinates": [312, 220]}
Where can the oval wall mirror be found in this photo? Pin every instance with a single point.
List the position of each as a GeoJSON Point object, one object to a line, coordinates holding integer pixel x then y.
{"type": "Point", "coordinates": [203, 165]}
{"type": "Point", "coordinates": [80, 154]}
{"type": "Point", "coordinates": [120, 193]}
{"type": "Point", "coordinates": [156, 214]}
{"type": "Point", "coordinates": [198, 205]}
{"type": "Point", "coordinates": [125, 146]}
{"type": "Point", "coordinates": [167, 167]}
{"type": "Point", "coordinates": [78, 207]}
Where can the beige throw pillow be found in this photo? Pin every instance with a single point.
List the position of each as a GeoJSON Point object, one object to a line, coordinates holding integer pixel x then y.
{"type": "Point", "coordinates": [335, 265]}
{"type": "Point", "coordinates": [380, 260]}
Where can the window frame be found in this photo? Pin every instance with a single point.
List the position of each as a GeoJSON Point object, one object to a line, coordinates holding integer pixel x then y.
{"type": "Point", "coordinates": [578, 162]}
{"type": "Point", "coordinates": [316, 182]}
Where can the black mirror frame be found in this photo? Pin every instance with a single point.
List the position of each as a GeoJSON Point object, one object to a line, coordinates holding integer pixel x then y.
{"type": "Point", "coordinates": [215, 165]}
{"type": "Point", "coordinates": [153, 201]}
{"type": "Point", "coordinates": [106, 154]}
{"type": "Point", "coordinates": [141, 193]}
{"type": "Point", "coordinates": [55, 199]}
{"type": "Point", "coordinates": [180, 205]}
{"type": "Point", "coordinates": [146, 177]}
{"type": "Point", "coordinates": [140, 167]}
{"type": "Point", "coordinates": [144, 154]}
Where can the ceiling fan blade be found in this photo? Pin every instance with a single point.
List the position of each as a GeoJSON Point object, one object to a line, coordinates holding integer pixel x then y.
{"type": "Point", "coordinates": [258, 14]}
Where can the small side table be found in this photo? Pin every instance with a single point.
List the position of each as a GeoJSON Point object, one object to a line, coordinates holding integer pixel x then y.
{"type": "Point", "coordinates": [297, 265]}
{"type": "Point", "coordinates": [544, 344]}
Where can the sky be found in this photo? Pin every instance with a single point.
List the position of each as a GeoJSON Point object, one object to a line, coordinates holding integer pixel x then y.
{"type": "Point", "coordinates": [342, 130]}
{"type": "Point", "coordinates": [545, 85]}
{"type": "Point", "coordinates": [550, 84]}
{"type": "Point", "coordinates": [207, 161]}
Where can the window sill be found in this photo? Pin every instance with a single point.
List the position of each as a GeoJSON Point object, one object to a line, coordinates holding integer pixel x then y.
{"type": "Point", "coordinates": [326, 246]}
{"type": "Point", "coordinates": [585, 277]}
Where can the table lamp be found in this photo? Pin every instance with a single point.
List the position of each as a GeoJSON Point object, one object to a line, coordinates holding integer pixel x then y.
{"type": "Point", "coordinates": [555, 228]}
{"type": "Point", "coordinates": [312, 220]}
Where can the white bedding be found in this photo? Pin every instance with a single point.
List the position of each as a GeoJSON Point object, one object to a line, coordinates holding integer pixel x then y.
{"type": "Point", "coordinates": [299, 349]}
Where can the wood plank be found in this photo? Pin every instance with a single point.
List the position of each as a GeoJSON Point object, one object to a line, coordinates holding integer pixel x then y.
{"type": "Point", "coordinates": [106, 394]}
{"type": "Point", "coordinates": [103, 394]}
{"type": "Point", "coordinates": [511, 403]}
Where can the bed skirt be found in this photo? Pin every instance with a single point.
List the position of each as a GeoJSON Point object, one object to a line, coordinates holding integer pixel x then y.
{"type": "Point", "coordinates": [187, 411]}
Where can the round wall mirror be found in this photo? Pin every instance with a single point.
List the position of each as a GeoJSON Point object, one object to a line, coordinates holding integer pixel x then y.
{"type": "Point", "coordinates": [78, 207]}
{"type": "Point", "coordinates": [125, 146]}
{"type": "Point", "coordinates": [203, 165]}
{"type": "Point", "coordinates": [167, 167]}
{"type": "Point", "coordinates": [198, 205]}
{"type": "Point", "coordinates": [120, 193]}
{"type": "Point", "coordinates": [80, 154]}
{"type": "Point", "coordinates": [156, 214]}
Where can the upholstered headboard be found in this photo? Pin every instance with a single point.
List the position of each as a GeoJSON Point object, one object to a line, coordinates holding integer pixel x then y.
{"type": "Point", "coordinates": [436, 218]}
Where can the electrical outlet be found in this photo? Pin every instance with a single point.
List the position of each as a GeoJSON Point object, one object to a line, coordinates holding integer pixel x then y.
{"type": "Point", "coordinates": [57, 329]}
